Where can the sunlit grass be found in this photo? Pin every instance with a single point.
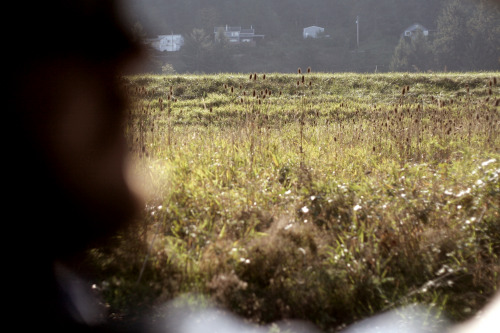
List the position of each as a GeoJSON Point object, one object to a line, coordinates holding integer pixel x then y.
{"type": "Point", "coordinates": [326, 197]}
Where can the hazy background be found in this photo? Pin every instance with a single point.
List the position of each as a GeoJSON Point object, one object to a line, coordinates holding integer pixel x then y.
{"type": "Point", "coordinates": [464, 35]}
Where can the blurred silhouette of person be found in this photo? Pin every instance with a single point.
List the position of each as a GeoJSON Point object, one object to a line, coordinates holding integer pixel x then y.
{"type": "Point", "coordinates": [66, 160]}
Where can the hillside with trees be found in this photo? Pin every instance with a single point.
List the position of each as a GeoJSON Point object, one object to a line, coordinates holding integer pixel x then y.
{"type": "Point", "coordinates": [463, 34]}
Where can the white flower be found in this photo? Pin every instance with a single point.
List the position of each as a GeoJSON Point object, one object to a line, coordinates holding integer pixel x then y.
{"type": "Point", "coordinates": [488, 162]}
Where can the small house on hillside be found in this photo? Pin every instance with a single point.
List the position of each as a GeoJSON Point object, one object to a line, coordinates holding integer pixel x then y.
{"type": "Point", "coordinates": [413, 30]}
{"type": "Point", "coordinates": [313, 32]}
{"type": "Point", "coordinates": [169, 43]}
{"type": "Point", "coordinates": [237, 35]}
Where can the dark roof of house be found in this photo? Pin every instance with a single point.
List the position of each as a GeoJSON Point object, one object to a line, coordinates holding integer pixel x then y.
{"type": "Point", "coordinates": [227, 28]}
{"type": "Point", "coordinates": [416, 26]}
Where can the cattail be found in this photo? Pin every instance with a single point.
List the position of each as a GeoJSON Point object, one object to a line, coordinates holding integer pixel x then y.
{"type": "Point", "coordinates": [210, 109]}
{"type": "Point", "coordinates": [310, 84]}
{"type": "Point", "coordinates": [404, 91]}
{"type": "Point", "coordinates": [495, 81]}
{"type": "Point", "coordinates": [251, 76]}
{"type": "Point", "coordinates": [407, 88]}
{"type": "Point", "coordinates": [299, 70]}
{"type": "Point", "coordinates": [298, 83]}
{"type": "Point", "coordinates": [225, 86]}
{"type": "Point", "coordinates": [467, 88]}
{"type": "Point", "coordinates": [373, 148]}
{"type": "Point", "coordinates": [255, 76]}
{"type": "Point", "coordinates": [303, 78]}
{"type": "Point", "coordinates": [264, 77]}
{"type": "Point", "coordinates": [254, 93]}
{"type": "Point", "coordinates": [232, 89]}
{"type": "Point", "coordinates": [309, 69]}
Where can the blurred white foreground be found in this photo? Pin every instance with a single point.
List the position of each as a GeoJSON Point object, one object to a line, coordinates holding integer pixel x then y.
{"type": "Point", "coordinates": [180, 316]}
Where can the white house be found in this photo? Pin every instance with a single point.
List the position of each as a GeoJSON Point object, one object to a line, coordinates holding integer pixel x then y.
{"type": "Point", "coordinates": [412, 31]}
{"type": "Point", "coordinates": [313, 31]}
{"type": "Point", "coordinates": [237, 34]}
{"type": "Point", "coordinates": [169, 43]}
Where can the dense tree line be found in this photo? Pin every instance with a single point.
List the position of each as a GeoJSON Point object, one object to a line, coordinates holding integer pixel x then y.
{"type": "Point", "coordinates": [467, 38]}
{"type": "Point", "coordinates": [464, 34]}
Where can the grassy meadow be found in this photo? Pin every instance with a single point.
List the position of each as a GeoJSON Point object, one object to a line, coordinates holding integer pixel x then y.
{"type": "Point", "coordinates": [324, 197]}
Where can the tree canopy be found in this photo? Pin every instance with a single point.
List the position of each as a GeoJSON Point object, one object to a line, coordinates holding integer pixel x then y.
{"type": "Point", "coordinates": [463, 34]}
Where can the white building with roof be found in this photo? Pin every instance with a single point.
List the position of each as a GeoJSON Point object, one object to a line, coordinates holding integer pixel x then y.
{"type": "Point", "coordinates": [169, 43]}
{"type": "Point", "coordinates": [413, 30]}
{"type": "Point", "coordinates": [313, 32]}
{"type": "Point", "coordinates": [237, 34]}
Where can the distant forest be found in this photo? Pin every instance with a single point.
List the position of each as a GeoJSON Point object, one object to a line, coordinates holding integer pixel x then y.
{"type": "Point", "coordinates": [464, 35]}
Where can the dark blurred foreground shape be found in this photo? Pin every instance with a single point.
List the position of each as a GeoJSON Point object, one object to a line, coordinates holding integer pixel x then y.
{"type": "Point", "coordinates": [66, 155]}
{"type": "Point", "coordinates": [65, 165]}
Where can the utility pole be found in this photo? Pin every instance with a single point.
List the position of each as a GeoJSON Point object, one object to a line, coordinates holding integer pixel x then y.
{"type": "Point", "coordinates": [357, 31]}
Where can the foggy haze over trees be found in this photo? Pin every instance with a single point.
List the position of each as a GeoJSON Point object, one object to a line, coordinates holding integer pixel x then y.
{"type": "Point", "coordinates": [463, 35]}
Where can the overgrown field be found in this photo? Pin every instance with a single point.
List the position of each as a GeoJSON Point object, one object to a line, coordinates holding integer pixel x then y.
{"type": "Point", "coordinates": [325, 197]}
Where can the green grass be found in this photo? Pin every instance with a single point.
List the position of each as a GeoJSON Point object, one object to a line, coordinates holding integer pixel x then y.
{"type": "Point", "coordinates": [327, 201]}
